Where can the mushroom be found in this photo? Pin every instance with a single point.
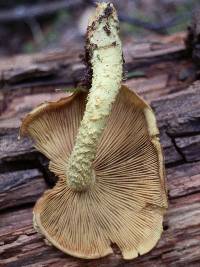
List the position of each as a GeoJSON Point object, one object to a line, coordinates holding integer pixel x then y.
{"type": "Point", "coordinates": [107, 156]}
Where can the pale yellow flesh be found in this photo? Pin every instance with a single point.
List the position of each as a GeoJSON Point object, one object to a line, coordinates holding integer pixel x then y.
{"type": "Point", "coordinates": [106, 81]}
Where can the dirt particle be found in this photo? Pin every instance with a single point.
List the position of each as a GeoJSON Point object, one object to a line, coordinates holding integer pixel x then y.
{"type": "Point", "coordinates": [108, 10]}
{"type": "Point", "coordinates": [107, 30]}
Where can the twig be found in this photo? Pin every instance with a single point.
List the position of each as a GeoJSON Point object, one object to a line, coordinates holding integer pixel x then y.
{"type": "Point", "coordinates": [36, 30]}
{"type": "Point", "coordinates": [160, 28]}
{"type": "Point", "coordinates": [25, 12]}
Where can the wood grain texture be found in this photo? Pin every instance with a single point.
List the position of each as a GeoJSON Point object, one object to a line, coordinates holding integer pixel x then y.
{"type": "Point", "coordinates": [167, 83]}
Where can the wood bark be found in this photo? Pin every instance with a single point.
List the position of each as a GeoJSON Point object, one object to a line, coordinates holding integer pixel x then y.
{"type": "Point", "coordinates": [165, 77]}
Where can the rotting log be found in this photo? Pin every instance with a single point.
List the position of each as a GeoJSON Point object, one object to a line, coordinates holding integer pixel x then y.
{"type": "Point", "coordinates": [166, 81]}
{"type": "Point", "coordinates": [64, 67]}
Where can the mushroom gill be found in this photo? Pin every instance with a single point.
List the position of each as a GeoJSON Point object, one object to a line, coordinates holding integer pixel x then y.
{"type": "Point", "coordinates": [126, 204]}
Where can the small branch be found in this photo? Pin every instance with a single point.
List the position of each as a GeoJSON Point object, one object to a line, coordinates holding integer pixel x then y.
{"type": "Point", "coordinates": [146, 25]}
{"type": "Point", "coordinates": [160, 28]}
{"type": "Point", "coordinates": [36, 30]}
{"type": "Point", "coordinates": [25, 12]}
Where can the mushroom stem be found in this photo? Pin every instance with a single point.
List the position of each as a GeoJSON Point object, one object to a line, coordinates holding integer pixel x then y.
{"type": "Point", "coordinates": [105, 58]}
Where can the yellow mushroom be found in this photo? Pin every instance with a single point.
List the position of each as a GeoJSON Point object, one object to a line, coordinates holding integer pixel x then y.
{"type": "Point", "coordinates": [107, 156]}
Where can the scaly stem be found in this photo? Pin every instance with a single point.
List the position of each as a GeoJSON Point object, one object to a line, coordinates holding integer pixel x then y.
{"type": "Point", "coordinates": [104, 47]}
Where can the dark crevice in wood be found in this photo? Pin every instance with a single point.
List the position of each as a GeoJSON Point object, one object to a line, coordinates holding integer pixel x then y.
{"type": "Point", "coordinates": [28, 160]}
{"type": "Point", "coordinates": [39, 83]}
{"type": "Point", "coordinates": [49, 177]}
{"type": "Point", "coordinates": [184, 134]}
{"type": "Point", "coordinates": [146, 63]}
{"type": "Point", "coordinates": [177, 148]}
{"type": "Point", "coordinates": [174, 164]}
{"type": "Point", "coordinates": [17, 208]}
{"type": "Point", "coordinates": [9, 166]}
{"type": "Point", "coordinates": [184, 195]}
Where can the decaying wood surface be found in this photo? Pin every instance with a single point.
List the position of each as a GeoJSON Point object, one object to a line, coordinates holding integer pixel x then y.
{"type": "Point", "coordinates": [163, 74]}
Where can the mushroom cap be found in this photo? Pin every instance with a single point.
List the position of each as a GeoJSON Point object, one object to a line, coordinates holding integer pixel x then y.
{"type": "Point", "coordinates": [126, 204]}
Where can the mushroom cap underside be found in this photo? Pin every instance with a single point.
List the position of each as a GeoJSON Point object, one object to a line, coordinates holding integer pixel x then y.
{"type": "Point", "coordinates": [127, 202]}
